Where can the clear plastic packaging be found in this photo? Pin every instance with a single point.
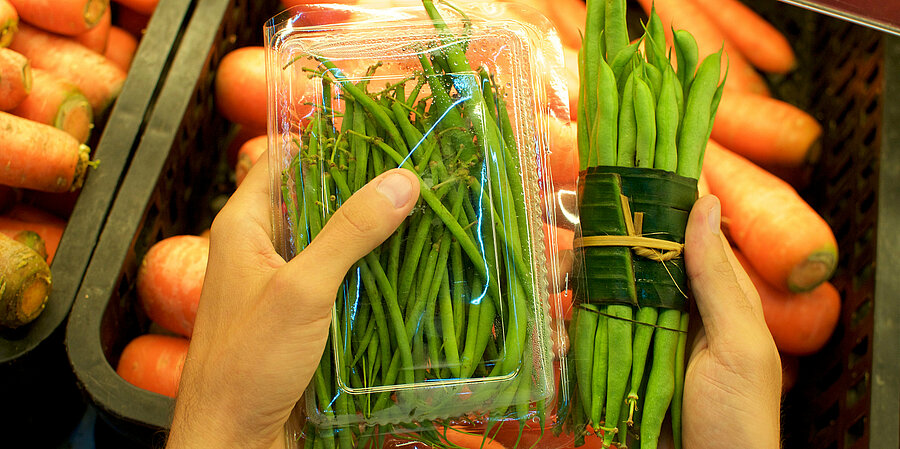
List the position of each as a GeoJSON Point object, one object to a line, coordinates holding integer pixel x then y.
{"type": "Point", "coordinates": [445, 329]}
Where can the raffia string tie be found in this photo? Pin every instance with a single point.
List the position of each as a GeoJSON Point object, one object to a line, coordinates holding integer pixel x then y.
{"type": "Point", "coordinates": [650, 248]}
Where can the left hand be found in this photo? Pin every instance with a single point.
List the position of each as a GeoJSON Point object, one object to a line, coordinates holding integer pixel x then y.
{"type": "Point", "coordinates": [262, 323]}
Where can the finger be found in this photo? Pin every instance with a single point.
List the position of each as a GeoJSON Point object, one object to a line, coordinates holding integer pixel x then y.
{"type": "Point", "coordinates": [366, 220]}
{"type": "Point", "coordinates": [250, 204]}
{"type": "Point", "coordinates": [722, 299]}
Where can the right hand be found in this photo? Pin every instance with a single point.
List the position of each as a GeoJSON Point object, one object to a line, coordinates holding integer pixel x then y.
{"type": "Point", "coordinates": [732, 391]}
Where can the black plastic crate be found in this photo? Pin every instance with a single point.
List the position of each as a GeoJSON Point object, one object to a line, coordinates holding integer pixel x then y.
{"type": "Point", "coordinates": [847, 395]}
{"type": "Point", "coordinates": [167, 190]}
{"type": "Point", "coordinates": [35, 379]}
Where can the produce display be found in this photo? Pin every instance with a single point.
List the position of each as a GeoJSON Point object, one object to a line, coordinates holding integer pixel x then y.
{"type": "Point", "coordinates": [641, 115]}
{"type": "Point", "coordinates": [56, 88]}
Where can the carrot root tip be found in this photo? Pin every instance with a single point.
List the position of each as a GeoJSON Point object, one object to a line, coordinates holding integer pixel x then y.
{"type": "Point", "coordinates": [817, 268]}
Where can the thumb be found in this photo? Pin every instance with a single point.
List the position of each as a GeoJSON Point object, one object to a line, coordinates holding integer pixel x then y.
{"type": "Point", "coordinates": [724, 294]}
{"type": "Point", "coordinates": [363, 222]}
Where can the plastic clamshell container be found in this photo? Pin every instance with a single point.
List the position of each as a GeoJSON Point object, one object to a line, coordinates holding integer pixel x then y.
{"type": "Point", "coordinates": [351, 100]}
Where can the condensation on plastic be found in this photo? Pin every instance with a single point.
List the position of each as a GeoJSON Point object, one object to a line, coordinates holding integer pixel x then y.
{"type": "Point", "coordinates": [425, 283]}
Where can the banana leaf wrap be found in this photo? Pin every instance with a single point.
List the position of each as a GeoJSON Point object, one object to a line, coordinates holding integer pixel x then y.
{"type": "Point", "coordinates": [616, 275]}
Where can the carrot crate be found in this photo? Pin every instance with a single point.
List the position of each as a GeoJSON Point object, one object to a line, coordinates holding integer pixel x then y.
{"type": "Point", "coordinates": [168, 189]}
{"type": "Point", "coordinates": [846, 396]}
{"type": "Point", "coordinates": [36, 378]}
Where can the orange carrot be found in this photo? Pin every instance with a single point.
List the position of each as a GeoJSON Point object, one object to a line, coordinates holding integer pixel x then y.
{"type": "Point", "coordinates": [99, 79]}
{"type": "Point", "coordinates": [800, 323]}
{"type": "Point", "coordinates": [685, 15]}
{"type": "Point", "coordinates": [15, 78]}
{"type": "Point", "coordinates": [461, 437]}
{"type": "Point", "coordinates": [26, 282]}
{"type": "Point", "coordinates": [784, 239]}
{"type": "Point", "coordinates": [50, 233]}
{"type": "Point", "coordinates": [765, 130]}
{"type": "Point", "coordinates": [97, 38]}
{"type": "Point", "coordinates": [121, 48]}
{"type": "Point", "coordinates": [22, 217]}
{"type": "Point", "coordinates": [563, 153]}
{"type": "Point", "coordinates": [170, 279]}
{"type": "Point", "coordinates": [68, 17]}
{"type": "Point", "coordinates": [40, 157]}
{"type": "Point", "coordinates": [758, 40]}
{"type": "Point", "coordinates": [154, 363]}
{"type": "Point", "coordinates": [142, 6]}
{"type": "Point", "coordinates": [248, 155]}
{"type": "Point", "coordinates": [572, 81]}
{"type": "Point", "coordinates": [241, 87]}
{"type": "Point", "coordinates": [131, 21]}
{"type": "Point", "coordinates": [57, 103]}
{"type": "Point", "coordinates": [9, 23]}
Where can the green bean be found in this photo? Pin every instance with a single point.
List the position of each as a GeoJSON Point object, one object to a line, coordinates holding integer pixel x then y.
{"type": "Point", "coordinates": [592, 43]}
{"type": "Point", "coordinates": [622, 61]}
{"type": "Point", "coordinates": [418, 356]}
{"type": "Point", "coordinates": [615, 29]}
{"type": "Point", "coordinates": [627, 134]}
{"type": "Point", "coordinates": [653, 77]}
{"type": "Point", "coordinates": [444, 105]}
{"type": "Point", "coordinates": [430, 333]}
{"type": "Point", "coordinates": [678, 396]}
{"type": "Point", "coordinates": [415, 249]}
{"type": "Point", "coordinates": [324, 399]}
{"type": "Point", "coordinates": [688, 55]}
{"type": "Point", "coordinates": [619, 367]}
{"type": "Point", "coordinates": [394, 244]}
{"type": "Point", "coordinates": [605, 125]}
{"type": "Point", "coordinates": [342, 408]}
{"type": "Point", "coordinates": [645, 119]}
{"type": "Point", "coordinates": [291, 207]}
{"type": "Point", "coordinates": [583, 128]}
{"type": "Point", "coordinates": [374, 297]}
{"type": "Point", "coordinates": [523, 394]}
{"type": "Point", "coordinates": [661, 383]}
{"type": "Point", "coordinates": [377, 111]}
{"type": "Point", "coordinates": [656, 41]}
{"type": "Point", "coordinates": [417, 303]}
{"type": "Point", "coordinates": [695, 129]}
{"type": "Point", "coordinates": [666, 156]}
{"type": "Point", "coordinates": [714, 105]}
{"type": "Point", "coordinates": [601, 367]}
{"type": "Point", "coordinates": [583, 350]}
{"type": "Point", "coordinates": [360, 150]}
{"type": "Point", "coordinates": [451, 348]}
{"type": "Point", "coordinates": [459, 304]}
{"type": "Point", "coordinates": [301, 234]}
{"type": "Point", "coordinates": [472, 327]}
{"type": "Point", "coordinates": [643, 334]}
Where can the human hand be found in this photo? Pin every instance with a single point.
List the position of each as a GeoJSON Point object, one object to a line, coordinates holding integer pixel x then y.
{"type": "Point", "coordinates": [732, 391]}
{"type": "Point", "coordinates": [262, 323]}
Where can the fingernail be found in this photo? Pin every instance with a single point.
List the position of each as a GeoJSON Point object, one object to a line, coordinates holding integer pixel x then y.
{"type": "Point", "coordinates": [396, 188]}
{"type": "Point", "coordinates": [715, 218]}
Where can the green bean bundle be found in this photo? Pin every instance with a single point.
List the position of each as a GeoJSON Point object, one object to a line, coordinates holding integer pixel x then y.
{"type": "Point", "coordinates": [439, 322]}
{"type": "Point", "coordinates": [642, 130]}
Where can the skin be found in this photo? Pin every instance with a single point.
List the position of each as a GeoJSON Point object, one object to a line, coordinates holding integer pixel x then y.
{"type": "Point", "coordinates": [245, 370]}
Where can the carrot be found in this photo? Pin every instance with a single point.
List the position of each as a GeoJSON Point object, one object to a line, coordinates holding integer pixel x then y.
{"type": "Point", "coordinates": [121, 48]}
{"type": "Point", "coordinates": [131, 21]}
{"type": "Point", "coordinates": [249, 153]}
{"type": "Point", "coordinates": [154, 363]}
{"type": "Point", "coordinates": [685, 15]}
{"type": "Point", "coordinates": [15, 78]}
{"type": "Point", "coordinates": [57, 103]}
{"type": "Point", "coordinates": [97, 37]}
{"type": "Point", "coordinates": [759, 41]}
{"type": "Point", "coordinates": [33, 241]}
{"type": "Point", "coordinates": [9, 23]}
{"type": "Point", "coordinates": [40, 157]}
{"type": "Point", "coordinates": [32, 214]}
{"type": "Point", "coordinates": [50, 230]}
{"type": "Point", "coordinates": [170, 279]}
{"type": "Point", "coordinates": [26, 282]}
{"type": "Point", "coordinates": [69, 17]}
{"type": "Point", "coordinates": [470, 440]}
{"type": "Point", "coordinates": [765, 130]}
{"type": "Point", "coordinates": [99, 79]}
{"type": "Point", "coordinates": [563, 153]}
{"type": "Point", "coordinates": [142, 6]}
{"type": "Point", "coordinates": [572, 80]}
{"type": "Point", "coordinates": [567, 16]}
{"type": "Point", "coordinates": [800, 323]}
{"type": "Point", "coordinates": [241, 87]}
{"type": "Point", "coordinates": [789, 244]}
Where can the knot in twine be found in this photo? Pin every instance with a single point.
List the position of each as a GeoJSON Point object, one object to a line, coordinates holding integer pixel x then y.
{"type": "Point", "coordinates": [650, 248]}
